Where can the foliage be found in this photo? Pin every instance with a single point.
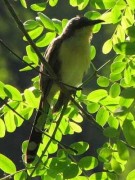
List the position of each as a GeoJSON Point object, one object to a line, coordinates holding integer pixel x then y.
{"type": "Point", "coordinates": [110, 106]}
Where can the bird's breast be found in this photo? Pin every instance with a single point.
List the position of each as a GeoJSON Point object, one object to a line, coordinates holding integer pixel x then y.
{"type": "Point", "coordinates": [74, 56]}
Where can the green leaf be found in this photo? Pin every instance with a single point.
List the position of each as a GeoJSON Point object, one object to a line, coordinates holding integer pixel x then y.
{"type": "Point", "coordinates": [92, 52]}
{"type": "Point", "coordinates": [107, 47]}
{"type": "Point", "coordinates": [2, 92]}
{"type": "Point", "coordinates": [2, 128]}
{"type": "Point", "coordinates": [47, 22]}
{"type": "Point", "coordinates": [102, 116]}
{"type": "Point", "coordinates": [46, 39]}
{"type": "Point", "coordinates": [24, 4]}
{"type": "Point", "coordinates": [73, 169]}
{"type": "Point", "coordinates": [116, 166]}
{"type": "Point", "coordinates": [88, 163]}
{"type": "Point", "coordinates": [92, 107]}
{"type": "Point", "coordinates": [53, 2]}
{"type": "Point", "coordinates": [127, 75]}
{"type": "Point", "coordinates": [34, 33]}
{"type": "Point", "coordinates": [115, 77]}
{"type": "Point", "coordinates": [131, 3]}
{"type": "Point", "coordinates": [125, 48]}
{"type": "Point", "coordinates": [7, 165]}
{"type": "Point", "coordinates": [103, 81]}
{"type": "Point", "coordinates": [10, 121]}
{"type": "Point", "coordinates": [104, 154]}
{"type": "Point", "coordinates": [122, 150]}
{"type": "Point", "coordinates": [81, 4]}
{"type": "Point", "coordinates": [58, 25]}
{"type": "Point", "coordinates": [30, 24]}
{"type": "Point", "coordinates": [103, 176]}
{"type": "Point", "coordinates": [131, 175]}
{"type": "Point", "coordinates": [128, 93]}
{"type": "Point", "coordinates": [75, 127]}
{"type": "Point", "coordinates": [20, 175]}
{"type": "Point", "coordinates": [97, 95]}
{"type": "Point", "coordinates": [130, 31]}
{"type": "Point", "coordinates": [12, 93]}
{"type": "Point", "coordinates": [129, 132]}
{"type": "Point", "coordinates": [31, 54]}
{"type": "Point", "coordinates": [115, 90]}
{"type": "Point", "coordinates": [118, 67]}
{"type": "Point", "coordinates": [103, 4]}
{"type": "Point", "coordinates": [92, 15]}
{"type": "Point", "coordinates": [38, 6]}
{"type": "Point", "coordinates": [110, 132]}
{"type": "Point", "coordinates": [113, 122]}
{"type": "Point", "coordinates": [31, 99]}
{"type": "Point", "coordinates": [81, 147]}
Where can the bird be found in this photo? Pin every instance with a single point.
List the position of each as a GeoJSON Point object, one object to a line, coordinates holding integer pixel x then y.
{"type": "Point", "coordinates": [69, 57]}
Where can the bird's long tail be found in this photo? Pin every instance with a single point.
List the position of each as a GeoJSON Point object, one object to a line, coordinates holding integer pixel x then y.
{"type": "Point", "coordinates": [36, 132]}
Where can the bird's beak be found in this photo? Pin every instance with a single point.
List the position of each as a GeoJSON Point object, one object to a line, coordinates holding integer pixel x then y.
{"type": "Point", "coordinates": [93, 22]}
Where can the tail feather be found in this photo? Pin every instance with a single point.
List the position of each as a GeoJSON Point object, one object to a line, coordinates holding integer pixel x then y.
{"type": "Point", "coordinates": [36, 132]}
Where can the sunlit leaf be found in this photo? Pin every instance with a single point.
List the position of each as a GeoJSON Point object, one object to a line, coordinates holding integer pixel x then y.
{"type": "Point", "coordinates": [118, 67]}
{"type": "Point", "coordinates": [53, 2]}
{"type": "Point", "coordinates": [31, 54]}
{"type": "Point", "coordinates": [92, 107]}
{"type": "Point", "coordinates": [20, 175]}
{"type": "Point", "coordinates": [24, 4]}
{"type": "Point", "coordinates": [38, 6]}
{"type": "Point", "coordinates": [107, 46]}
{"type": "Point", "coordinates": [103, 81]}
{"type": "Point", "coordinates": [122, 150]}
{"type": "Point", "coordinates": [103, 176]}
{"type": "Point", "coordinates": [81, 147]}
{"type": "Point", "coordinates": [12, 93]}
{"type": "Point", "coordinates": [102, 116]}
{"type": "Point", "coordinates": [115, 90]}
{"type": "Point", "coordinates": [45, 39]}
{"type": "Point", "coordinates": [88, 163]}
{"type": "Point", "coordinates": [2, 128]}
{"type": "Point", "coordinates": [7, 165]}
{"type": "Point", "coordinates": [131, 175]}
{"type": "Point", "coordinates": [31, 24]}
{"type": "Point", "coordinates": [97, 95]}
{"type": "Point", "coordinates": [47, 22]}
{"type": "Point", "coordinates": [129, 132]}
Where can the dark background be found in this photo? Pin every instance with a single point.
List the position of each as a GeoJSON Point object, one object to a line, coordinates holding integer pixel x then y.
{"type": "Point", "coordinates": [10, 145]}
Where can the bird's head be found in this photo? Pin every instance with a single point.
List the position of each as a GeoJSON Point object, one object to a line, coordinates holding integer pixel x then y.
{"type": "Point", "coordinates": [80, 26]}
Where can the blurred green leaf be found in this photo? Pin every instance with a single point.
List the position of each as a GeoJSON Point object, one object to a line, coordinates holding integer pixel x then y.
{"type": "Point", "coordinates": [24, 4]}
{"type": "Point", "coordinates": [107, 47]}
{"type": "Point", "coordinates": [7, 165]}
{"type": "Point", "coordinates": [102, 116]}
{"type": "Point", "coordinates": [129, 132]}
{"type": "Point", "coordinates": [97, 95]}
{"type": "Point", "coordinates": [92, 52]}
{"type": "Point", "coordinates": [131, 175]}
{"type": "Point", "coordinates": [92, 15]}
{"type": "Point", "coordinates": [45, 39]}
{"type": "Point", "coordinates": [2, 92]}
{"type": "Point", "coordinates": [131, 4]}
{"type": "Point", "coordinates": [128, 93]}
{"type": "Point", "coordinates": [12, 93]}
{"type": "Point", "coordinates": [113, 122]}
{"type": "Point", "coordinates": [114, 90]}
{"type": "Point", "coordinates": [116, 166]}
{"type": "Point", "coordinates": [81, 4]}
{"type": "Point", "coordinates": [88, 163]}
{"type": "Point", "coordinates": [104, 154]}
{"type": "Point", "coordinates": [73, 169]}
{"type": "Point", "coordinates": [125, 48]}
{"type": "Point", "coordinates": [103, 81]}
{"type": "Point", "coordinates": [81, 147]}
{"type": "Point", "coordinates": [103, 176]}
{"type": "Point", "coordinates": [110, 132]}
{"type": "Point", "coordinates": [30, 24]}
{"type": "Point", "coordinates": [47, 22]}
{"type": "Point", "coordinates": [127, 75]}
{"type": "Point", "coordinates": [20, 175]}
{"type": "Point", "coordinates": [92, 107]}
{"type": "Point", "coordinates": [34, 33]}
{"type": "Point", "coordinates": [122, 150]}
{"type": "Point", "coordinates": [115, 77]}
{"type": "Point", "coordinates": [31, 54]}
{"type": "Point", "coordinates": [53, 2]}
{"type": "Point", "coordinates": [31, 99]}
{"type": "Point", "coordinates": [38, 6]}
{"type": "Point", "coordinates": [118, 67]}
{"type": "Point", "coordinates": [2, 129]}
